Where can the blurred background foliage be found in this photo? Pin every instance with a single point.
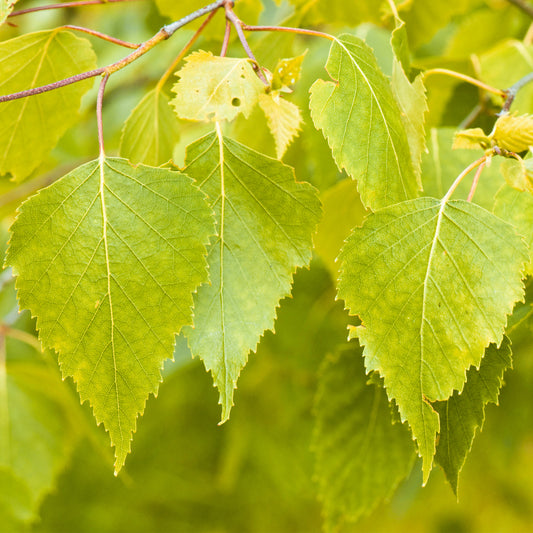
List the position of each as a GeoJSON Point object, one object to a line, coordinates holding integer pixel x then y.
{"type": "Point", "coordinates": [256, 473]}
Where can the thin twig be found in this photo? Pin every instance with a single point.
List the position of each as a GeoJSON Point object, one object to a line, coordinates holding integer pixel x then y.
{"type": "Point", "coordinates": [100, 35]}
{"type": "Point", "coordinates": [510, 94]}
{"type": "Point", "coordinates": [468, 79]}
{"type": "Point", "coordinates": [225, 42]}
{"type": "Point", "coordinates": [183, 52]}
{"type": "Point", "coordinates": [237, 24]}
{"type": "Point", "coordinates": [64, 4]}
{"type": "Point", "coordinates": [524, 6]}
{"type": "Point", "coordinates": [476, 181]}
{"type": "Point", "coordinates": [164, 33]}
{"type": "Point", "coordinates": [99, 121]}
{"type": "Point", "coordinates": [287, 29]}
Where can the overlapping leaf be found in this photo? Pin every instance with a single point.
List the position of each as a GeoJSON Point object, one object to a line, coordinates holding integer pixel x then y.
{"type": "Point", "coordinates": [463, 414]}
{"type": "Point", "coordinates": [151, 131]}
{"type": "Point", "coordinates": [362, 453]}
{"type": "Point", "coordinates": [31, 127]}
{"type": "Point", "coordinates": [514, 132]}
{"type": "Point", "coordinates": [433, 283]}
{"type": "Point", "coordinates": [516, 208]}
{"type": "Point", "coordinates": [107, 259]}
{"type": "Point", "coordinates": [265, 223]}
{"type": "Point", "coordinates": [214, 88]}
{"type": "Point", "coordinates": [284, 120]}
{"type": "Point", "coordinates": [360, 119]}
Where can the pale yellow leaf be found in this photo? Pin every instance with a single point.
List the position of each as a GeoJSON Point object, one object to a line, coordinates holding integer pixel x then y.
{"type": "Point", "coordinates": [212, 88]}
{"type": "Point", "coordinates": [284, 120]}
{"type": "Point", "coordinates": [287, 72]}
{"type": "Point", "coordinates": [471, 139]}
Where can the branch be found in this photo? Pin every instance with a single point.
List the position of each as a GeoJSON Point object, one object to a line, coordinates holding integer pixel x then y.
{"type": "Point", "coordinates": [64, 4]}
{"type": "Point", "coordinates": [510, 94]}
{"type": "Point", "coordinates": [287, 29]}
{"type": "Point", "coordinates": [164, 33]}
{"type": "Point", "coordinates": [524, 6]}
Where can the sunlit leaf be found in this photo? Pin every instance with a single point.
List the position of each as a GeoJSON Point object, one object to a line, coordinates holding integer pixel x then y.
{"type": "Point", "coordinates": [265, 223]}
{"type": "Point", "coordinates": [287, 72]}
{"type": "Point", "coordinates": [471, 139]}
{"type": "Point", "coordinates": [212, 88]}
{"type": "Point", "coordinates": [31, 127]}
{"type": "Point", "coordinates": [107, 259]}
{"type": "Point", "coordinates": [361, 121]}
{"type": "Point", "coordinates": [6, 6]}
{"type": "Point", "coordinates": [516, 208]}
{"type": "Point", "coordinates": [284, 120]}
{"type": "Point", "coordinates": [518, 173]}
{"type": "Point", "coordinates": [433, 283]}
{"type": "Point", "coordinates": [513, 133]}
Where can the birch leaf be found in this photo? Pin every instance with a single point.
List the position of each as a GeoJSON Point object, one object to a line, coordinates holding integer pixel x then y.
{"type": "Point", "coordinates": [361, 121]}
{"type": "Point", "coordinates": [265, 223]}
{"type": "Point", "coordinates": [107, 259]}
{"type": "Point", "coordinates": [432, 282]}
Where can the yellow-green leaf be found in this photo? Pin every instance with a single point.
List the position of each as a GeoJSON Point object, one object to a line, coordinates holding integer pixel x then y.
{"type": "Point", "coordinates": [107, 259]}
{"type": "Point", "coordinates": [30, 127]}
{"type": "Point", "coordinates": [265, 222]}
{"type": "Point", "coordinates": [359, 117]}
{"type": "Point", "coordinates": [212, 88]}
{"type": "Point", "coordinates": [513, 133]}
{"type": "Point", "coordinates": [151, 131]}
{"type": "Point", "coordinates": [287, 72]}
{"type": "Point", "coordinates": [432, 282]}
{"type": "Point", "coordinates": [471, 139]}
{"type": "Point", "coordinates": [283, 117]}
{"type": "Point", "coordinates": [518, 173]}
{"type": "Point", "coordinates": [6, 6]}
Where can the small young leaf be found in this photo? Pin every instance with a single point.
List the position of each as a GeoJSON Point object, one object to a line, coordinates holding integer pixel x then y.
{"type": "Point", "coordinates": [518, 173]}
{"type": "Point", "coordinates": [283, 117]}
{"type": "Point", "coordinates": [31, 127]}
{"type": "Point", "coordinates": [287, 72]}
{"type": "Point", "coordinates": [6, 6]}
{"type": "Point", "coordinates": [151, 131]}
{"type": "Point", "coordinates": [463, 414]}
{"type": "Point", "coordinates": [513, 133]}
{"type": "Point", "coordinates": [516, 208]}
{"type": "Point", "coordinates": [361, 121]}
{"type": "Point", "coordinates": [361, 452]}
{"type": "Point", "coordinates": [471, 139]}
{"type": "Point", "coordinates": [107, 259]}
{"type": "Point", "coordinates": [433, 283]}
{"type": "Point", "coordinates": [214, 88]}
{"type": "Point", "coordinates": [265, 223]}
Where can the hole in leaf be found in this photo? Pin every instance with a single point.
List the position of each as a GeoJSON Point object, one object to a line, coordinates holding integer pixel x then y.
{"type": "Point", "coordinates": [236, 102]}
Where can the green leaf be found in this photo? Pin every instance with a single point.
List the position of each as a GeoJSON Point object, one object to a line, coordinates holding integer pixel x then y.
{"type": "Point", "coordinates": [411, 98]}
{"type": "Point", "coordinates": [265, 223]}
{"type": "Point", "coordinates": [516, 208]}
{"type": "Point", "coordinates": [214, 88]}
{"type": "Point", "coordinates": [343, 211]}
{"type": "Point", "coordinates": [518, 173]}
{"type": "Point", "coordinates": [151, 131]}
{"type": "Point", "coordinates": [6, 6]}
{"type": "Point", "coordinates": [433, 283]}
{"type": "Point", "coordinates": [36, 433]}
{"type": "Point", "coordinates": [107, 259]}
{"type": "Point", "coordinates": [513, 133]}
{"type": "Point", "coordinates": [31, 127]}
{"type": "Point", "coordinates": [283, 117]}
{"type": "Point", "coordinates": [463, 414]}
{"type": "Point", "coordinates": [361, 121]}
{"type": "Point", "coordinates": [335, 12]}
{"type": "Point", "coordinates": [362, 453]}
